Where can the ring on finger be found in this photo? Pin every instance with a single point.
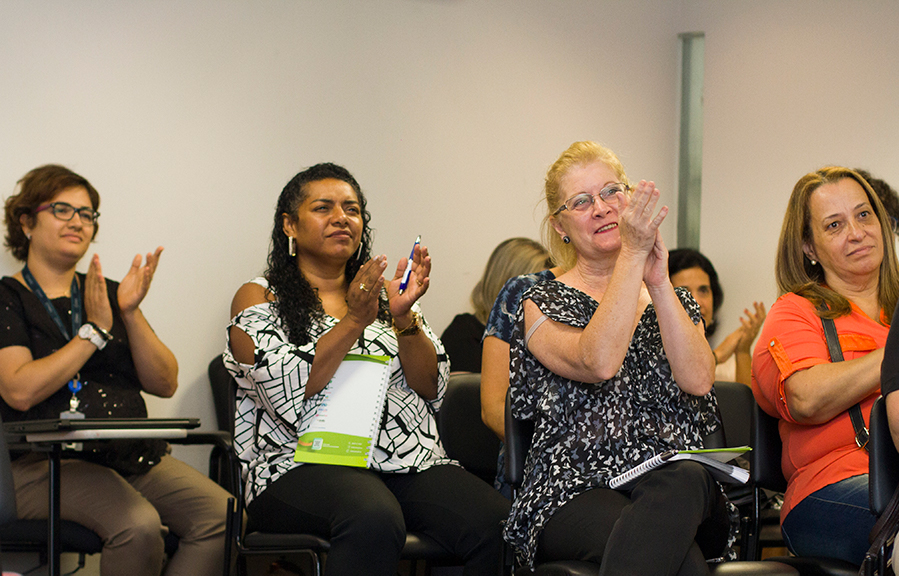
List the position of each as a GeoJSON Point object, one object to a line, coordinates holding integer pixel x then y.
{"type": "Point", "coordinates": [362, 287]}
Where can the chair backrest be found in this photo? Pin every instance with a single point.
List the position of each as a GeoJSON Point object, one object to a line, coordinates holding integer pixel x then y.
{"type": "Point", "coordinates": [764, 458]}
{"type": "Point", "coordinates": [519, 434]}
{"type": "Point", "coordinates": [8, 511]}
{"type": "Point", "coordinates": [883, 460]}
{"type": "Point", "coordinates": [735, 402]}
{"type": "Point", "coordinates": [223, 394]}
{"type": "Point", "coordinates": [464, 435]}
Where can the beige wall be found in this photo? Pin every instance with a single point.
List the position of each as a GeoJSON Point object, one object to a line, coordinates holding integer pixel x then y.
{"type": "Point", "coordinates": [189, 116]}
{"type": "Point", "coordinates": [789, 87]}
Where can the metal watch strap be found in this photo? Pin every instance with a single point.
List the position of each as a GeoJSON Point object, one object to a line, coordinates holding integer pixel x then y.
{"type": "Point", "coordinates": [836, 355]}
{"type": "Point", "coordinates": [105, 334]}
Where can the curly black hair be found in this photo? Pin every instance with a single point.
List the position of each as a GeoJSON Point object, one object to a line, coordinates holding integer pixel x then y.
{"type": "Point", "coordinates": [297, 304]}
{"type": "Point", "coordinates": [685, 258]}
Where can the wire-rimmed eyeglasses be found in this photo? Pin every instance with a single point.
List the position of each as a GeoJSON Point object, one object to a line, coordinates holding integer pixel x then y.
{"type": "Point", "coordinates": [584, 200]}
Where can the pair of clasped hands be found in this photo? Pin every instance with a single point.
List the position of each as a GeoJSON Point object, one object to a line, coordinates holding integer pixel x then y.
{"type": "Point", "coordinates": [640, 233]}
{"type": "Point", "coordinates": [131, 292]}
{"type": "Point", "coordinates": [364, 291]}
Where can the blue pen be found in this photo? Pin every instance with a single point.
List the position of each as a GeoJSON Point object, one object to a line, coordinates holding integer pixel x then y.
{"type": "Point", "coordinates": [405, 282]}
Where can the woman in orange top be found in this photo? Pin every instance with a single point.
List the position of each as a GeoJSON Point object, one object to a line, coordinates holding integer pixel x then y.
{"type": "Point", "coordinates": [836, 260]}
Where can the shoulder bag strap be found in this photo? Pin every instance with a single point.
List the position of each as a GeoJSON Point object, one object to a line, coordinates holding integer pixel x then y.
{"type": "Point", "coordinates": [836, 355]}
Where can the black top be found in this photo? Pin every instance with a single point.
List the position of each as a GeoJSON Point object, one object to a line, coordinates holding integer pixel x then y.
{"type": "Point", "coordinates": [462, 341]}
{"type": "Point", "coordinates": [889, 370]}
{"type": "Point", "coordinates": [110, 386]}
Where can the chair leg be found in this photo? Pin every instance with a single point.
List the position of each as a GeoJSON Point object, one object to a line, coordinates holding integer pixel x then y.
{"type": "Point", "coordinates": [317, 563]}
{"type": "Point", "coordinates": [242, 565]}
{"type": "Point", "coordinates": [229, 535]}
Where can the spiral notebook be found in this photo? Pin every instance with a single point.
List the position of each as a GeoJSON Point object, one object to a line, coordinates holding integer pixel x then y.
{"type": "Point", "coordinates": [346, 424]}
{"type": "Point", "coordinates": [715, 460]}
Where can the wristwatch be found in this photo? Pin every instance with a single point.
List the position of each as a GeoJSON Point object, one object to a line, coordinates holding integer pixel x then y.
{"type": "Point", "coordinates": [96, 335]}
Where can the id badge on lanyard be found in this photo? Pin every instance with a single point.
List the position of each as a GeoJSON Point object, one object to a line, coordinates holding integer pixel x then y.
{"type": "Point", "coordinates": [75, 384]}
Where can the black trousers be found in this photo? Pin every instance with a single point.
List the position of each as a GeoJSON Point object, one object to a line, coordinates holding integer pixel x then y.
{"type": "Point", "coordinates": [672, 519]}
{"type": "Point", "coordinates": [366, 514]}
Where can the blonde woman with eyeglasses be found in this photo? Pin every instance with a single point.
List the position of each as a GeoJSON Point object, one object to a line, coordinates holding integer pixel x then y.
{"type": "Point", "coordinates": [611, 363]}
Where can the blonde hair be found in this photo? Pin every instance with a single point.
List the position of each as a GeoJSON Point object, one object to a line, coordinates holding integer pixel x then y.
{"type": "Point", "coordinates": [577, 155]}
{"type": "Point", "coordinates": [513, 257]}
{"type": "Point", "coordinates": [795, 273]}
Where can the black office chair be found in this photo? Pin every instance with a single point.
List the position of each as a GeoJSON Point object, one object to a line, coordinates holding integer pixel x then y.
{"type": "Point", "coordinates": [464, 435]}
{"type": "Point", "coordinates": [766, 473]}
{"type": "Point", "coordinates": [735, 402]}
{"type": "Point", "coordinates": [257, 543]}
{"type": "Point", "coordinates": [883, 473]}
{"type": "Point", "coordinates": [518, 442]}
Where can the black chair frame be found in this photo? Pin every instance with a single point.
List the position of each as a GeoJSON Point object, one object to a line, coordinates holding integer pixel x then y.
{"type": "Point", "coordinates": [766, 473]}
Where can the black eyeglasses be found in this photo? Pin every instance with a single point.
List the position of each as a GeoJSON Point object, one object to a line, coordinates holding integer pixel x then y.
{"type": "Point", "coordinates": [64, 211]}
{"type": "Point", "coordinates": [583, 201]}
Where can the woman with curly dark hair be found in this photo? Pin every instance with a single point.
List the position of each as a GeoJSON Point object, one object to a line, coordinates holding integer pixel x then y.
{"type": "Point", "coordinates": [323, 297]}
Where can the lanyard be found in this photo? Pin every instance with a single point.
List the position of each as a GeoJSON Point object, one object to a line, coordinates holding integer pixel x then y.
{"type": "Point", "coordinates": [51, 310]}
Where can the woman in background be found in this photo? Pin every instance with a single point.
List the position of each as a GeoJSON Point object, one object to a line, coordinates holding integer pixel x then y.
{"type": "Point", "coordinates": [462, 338]}
{"type": "Point", "coordinates": [835, 261]}
{"type": "Point", "coordinates": [78, 344]}
{"type": "Point", "coordinates": [689, 269]}
{"type": "Point", "coordinates": [322, 297]}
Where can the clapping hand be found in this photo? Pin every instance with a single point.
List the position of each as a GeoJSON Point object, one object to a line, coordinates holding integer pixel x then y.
{"type": "Point", "coordinates": [419, 280]}
{"type": "Point", "coordinates": [640, 232]}
{"type": "Point", "coordinates": [364, 291]}
{"type": "Point", "coordinates": [96, 299]}
{"type": "Point", "coordinates": [751, 324]}
{"type": "Point", "coordinates": [136, 283]}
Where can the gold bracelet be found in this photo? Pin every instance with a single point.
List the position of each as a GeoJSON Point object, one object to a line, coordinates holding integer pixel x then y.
{"type": "Point", "coordinates": [410, 330]}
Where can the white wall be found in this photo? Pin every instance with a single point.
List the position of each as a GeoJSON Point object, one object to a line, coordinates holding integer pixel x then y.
{"type": "Point", "coordinates": [789, 87]}
{"type": "Point", "coordinates": [189, 117]}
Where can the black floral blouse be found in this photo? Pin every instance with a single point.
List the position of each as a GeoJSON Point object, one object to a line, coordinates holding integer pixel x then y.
{"type": "Point", "coordinates": [585, 434]}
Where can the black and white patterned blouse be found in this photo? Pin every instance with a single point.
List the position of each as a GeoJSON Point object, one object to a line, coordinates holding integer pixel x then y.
{"type": "Point", "coordinates": [272, 413]}
{"type": "Point", "coordinates": [585, 434]}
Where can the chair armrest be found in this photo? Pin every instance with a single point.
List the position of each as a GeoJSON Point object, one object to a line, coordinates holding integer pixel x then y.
{"type": "Point", "coordinates": [218, 438]}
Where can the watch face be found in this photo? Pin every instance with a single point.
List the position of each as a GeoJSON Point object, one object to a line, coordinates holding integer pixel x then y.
{"type": "Point", "coordinates": [86, 331]}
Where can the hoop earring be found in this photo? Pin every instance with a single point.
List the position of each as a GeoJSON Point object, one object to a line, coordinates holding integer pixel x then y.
{"type": "Point", "coordinates": [566, 239]}
{"type": "Point", "coordinates": [291, 246]}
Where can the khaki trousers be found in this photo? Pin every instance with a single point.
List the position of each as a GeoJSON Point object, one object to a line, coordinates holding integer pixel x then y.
{"type": "Point", "coordinates": [132, 515]}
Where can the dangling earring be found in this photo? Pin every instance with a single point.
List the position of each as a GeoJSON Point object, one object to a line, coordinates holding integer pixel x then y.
{"type": "Point", "coordinates": [566, 239]}
{"type": "Point", "coordinates": [359, 251]}
{"type": "Point", "coordinates": [291, 246]}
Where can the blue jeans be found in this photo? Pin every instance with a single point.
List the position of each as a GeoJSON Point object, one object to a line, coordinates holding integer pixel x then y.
{"type": "Point", "coordinates": [834, 522]}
